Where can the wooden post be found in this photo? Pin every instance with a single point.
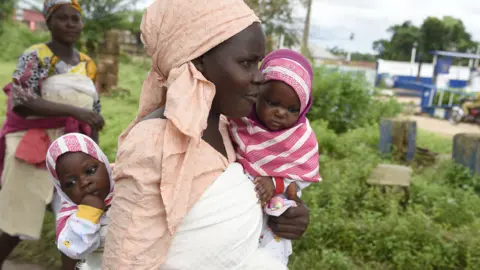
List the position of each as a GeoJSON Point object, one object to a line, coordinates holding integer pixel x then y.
{"type": "Point", "coordinates": [466, 151]}
{"type": "Point", "coordinates": [398, 137]}
{"type": "Point", "coordinates": [107, 73]}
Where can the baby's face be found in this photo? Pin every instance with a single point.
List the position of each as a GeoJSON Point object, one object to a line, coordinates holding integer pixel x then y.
{"type": "Point", "coordinates": [80, 174]}
{"type": "Point", "coordinates": [279, 106]}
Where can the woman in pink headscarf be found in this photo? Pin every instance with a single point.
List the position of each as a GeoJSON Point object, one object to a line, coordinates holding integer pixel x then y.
{"type": "Point", "coordinates": [181, 201]}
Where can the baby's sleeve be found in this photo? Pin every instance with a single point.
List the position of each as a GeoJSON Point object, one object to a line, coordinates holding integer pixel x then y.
{"type": "Point", "coordinates": [281, 184]}
{"type": "Point", "coordinates": [80, 236]}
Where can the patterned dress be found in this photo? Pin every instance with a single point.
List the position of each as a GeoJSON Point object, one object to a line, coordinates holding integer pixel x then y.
{"type": "Point", "coordinates": [38, 63]}
{"type": "Point", "coordinates": [25, 188]}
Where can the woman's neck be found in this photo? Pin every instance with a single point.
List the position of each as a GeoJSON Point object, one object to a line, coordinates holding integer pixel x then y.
{"type": "Point", "coordinates": [64, 51]}
{"type": "Point", "coordinates": [212, 134]}
{"type": "Point", "coordinates": [213, 120]}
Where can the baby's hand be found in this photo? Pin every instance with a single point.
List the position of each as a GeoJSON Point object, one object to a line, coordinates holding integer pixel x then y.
{"type": "Point", "coordinates": [93, 201]}
{"type": "Point", "coordinates": [265, 189]}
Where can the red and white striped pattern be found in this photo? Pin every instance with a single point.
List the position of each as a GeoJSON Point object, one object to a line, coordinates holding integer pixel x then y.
{"type": "Point", "coordinates": [290, 153]}
{"type": "Point", "coordinates": [293, 74]}
{"type": "Point", "coordinates": [73, 142]}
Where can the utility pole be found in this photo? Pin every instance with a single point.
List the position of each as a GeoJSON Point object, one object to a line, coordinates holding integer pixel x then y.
{"type": "Point", "coordinates": [306, 29]}
{"type": "Point", "coordinates": [349, 54]}
{"type": "Point", "coordinates": [478, 54]}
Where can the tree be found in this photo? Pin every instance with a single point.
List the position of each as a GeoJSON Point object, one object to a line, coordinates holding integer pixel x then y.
{"type": "Point", "coordinates": [6, 9]}
{"type": "Point", "coordinates": [400, 45]}
{"type": "Point", "coordinates": [101, 16]}
{"type": "Point", "coordinates": [447, 33]}
{"type": "Point", "coordinates": [276, 16]}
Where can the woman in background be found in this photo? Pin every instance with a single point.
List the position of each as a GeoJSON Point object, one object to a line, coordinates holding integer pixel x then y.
{"type": "Point", "coordinates": [52, 93]}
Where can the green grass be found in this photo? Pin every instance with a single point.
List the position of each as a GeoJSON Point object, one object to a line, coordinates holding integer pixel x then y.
{"type": "Point", "coordinates": [434, 142]}
{"type": "Point", "coordinates": [352, 226]}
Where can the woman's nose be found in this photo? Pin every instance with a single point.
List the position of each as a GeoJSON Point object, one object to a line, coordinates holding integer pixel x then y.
{"type": "Point", "coordinates": [258, 77]}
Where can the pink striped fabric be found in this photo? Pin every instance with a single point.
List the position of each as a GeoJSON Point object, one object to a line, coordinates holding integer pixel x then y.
{"type": "Point", "coordinates": [291, 153]}
{"type": "Point", "coordinates": [73, 142]}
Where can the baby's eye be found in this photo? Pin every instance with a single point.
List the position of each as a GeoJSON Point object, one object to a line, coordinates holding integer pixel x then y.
{"type": "Point", "coordinates": [91, 170]}
{"type": "Point", "coordinates": [293, 110]}
{"type": "Point", "coordinates": [70, 182]}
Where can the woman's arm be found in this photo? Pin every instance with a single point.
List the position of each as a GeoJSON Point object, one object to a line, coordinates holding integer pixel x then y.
{"type": "Point", "coordinates": [25, 94]}
{"type": "Point", "coordinates": [36, 106]}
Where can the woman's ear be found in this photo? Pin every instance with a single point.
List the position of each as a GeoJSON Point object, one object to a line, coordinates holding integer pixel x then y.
{"type": "Point", "coordinates": [49, 24]}
{"type": "Point", "coordinates": [199, 63]}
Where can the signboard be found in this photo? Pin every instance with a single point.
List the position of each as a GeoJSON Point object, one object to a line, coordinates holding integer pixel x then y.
{"type": "Point", "coordinates": [443, 65]}
{"type": "Point", "coordinates": [443, 82]}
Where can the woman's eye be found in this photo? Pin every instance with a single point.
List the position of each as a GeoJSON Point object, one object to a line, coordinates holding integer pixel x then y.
{"type": "Point", "coordinates": [91, 170]}
{"type": "Point", "coordinates": [246, 64]}
{"type": "Point", "coordinates": [272, 103]}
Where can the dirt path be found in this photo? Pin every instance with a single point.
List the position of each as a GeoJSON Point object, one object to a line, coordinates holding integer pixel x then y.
{"type": "Point", "coordinates": [443, 127]}
{"type": "Point", "coordinates": [438, 126]}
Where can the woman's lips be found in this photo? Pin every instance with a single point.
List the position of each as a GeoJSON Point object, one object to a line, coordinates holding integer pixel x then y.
{"type": "Point", "coordinates": [252, 98]}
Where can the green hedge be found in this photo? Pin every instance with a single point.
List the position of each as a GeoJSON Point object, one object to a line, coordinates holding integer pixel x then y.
{"type": "Point", "coordinates": [15, 38]}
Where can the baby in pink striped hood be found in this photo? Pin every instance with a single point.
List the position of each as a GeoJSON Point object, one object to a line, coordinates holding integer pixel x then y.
{"type": "Point", "coordinates": [275, 143]}
{"type": "Point", "coordinates": [81, 174]}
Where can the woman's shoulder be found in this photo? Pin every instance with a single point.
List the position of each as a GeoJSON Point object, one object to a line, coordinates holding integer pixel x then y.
{"type": "Point", "coordinates": [84, 57]}
{"type": "Point", "coordinates": [143, 137]}
{"type": "Point", "coordinates": [41, 51]}
{"type": "Point", "coordinates": [141, 146]}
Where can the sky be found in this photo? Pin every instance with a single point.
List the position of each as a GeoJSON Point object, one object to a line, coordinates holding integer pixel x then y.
{"type": "Point", "coordinates": [332, 21]}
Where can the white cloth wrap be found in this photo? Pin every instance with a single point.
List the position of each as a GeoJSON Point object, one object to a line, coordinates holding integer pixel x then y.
{"type": "Point", "coordinates": [222, 230]}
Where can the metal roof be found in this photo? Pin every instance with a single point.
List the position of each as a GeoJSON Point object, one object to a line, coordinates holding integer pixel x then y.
{"type": "Point", "coordinates": [456, 54]}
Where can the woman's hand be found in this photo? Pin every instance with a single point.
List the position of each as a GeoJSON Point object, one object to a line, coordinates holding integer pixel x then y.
{"type": "Point", "coordinates": [92, 118]}
{"type": "Point", "coordinates": [293, 223]}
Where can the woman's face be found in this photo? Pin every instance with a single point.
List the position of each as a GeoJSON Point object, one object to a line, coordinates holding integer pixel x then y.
{"type": "Point", "coordinates": [233, 67]}
{"type": "Point", "coordinates": [65, 24]}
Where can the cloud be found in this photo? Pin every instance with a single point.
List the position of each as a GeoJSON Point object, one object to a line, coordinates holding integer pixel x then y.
{"type": "Point", "coordinates": [333, 20]}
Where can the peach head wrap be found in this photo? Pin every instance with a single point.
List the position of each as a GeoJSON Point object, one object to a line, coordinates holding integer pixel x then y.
{"type": "Point", "coordinates": [175, 32]}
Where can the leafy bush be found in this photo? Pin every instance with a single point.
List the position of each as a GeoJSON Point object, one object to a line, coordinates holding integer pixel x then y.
{"type": "Point", "coordinates": [354, 226]}
{"type": "Point", "coordinates": [15, 38]}
{"type": "Point", "coordinates": [346, 101]}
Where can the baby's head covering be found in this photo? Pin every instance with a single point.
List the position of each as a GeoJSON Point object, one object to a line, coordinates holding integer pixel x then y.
{"type": "Point", "coordinates": [293, 69]}
{"type": "Point", "coordinates": [73, 142]}
{"type": "Point", "coordinates": [174, 33]}
{"type": "Point", "coordinates": [291, 153]}
{"type": "Point", "coordinates": [49, 6]}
